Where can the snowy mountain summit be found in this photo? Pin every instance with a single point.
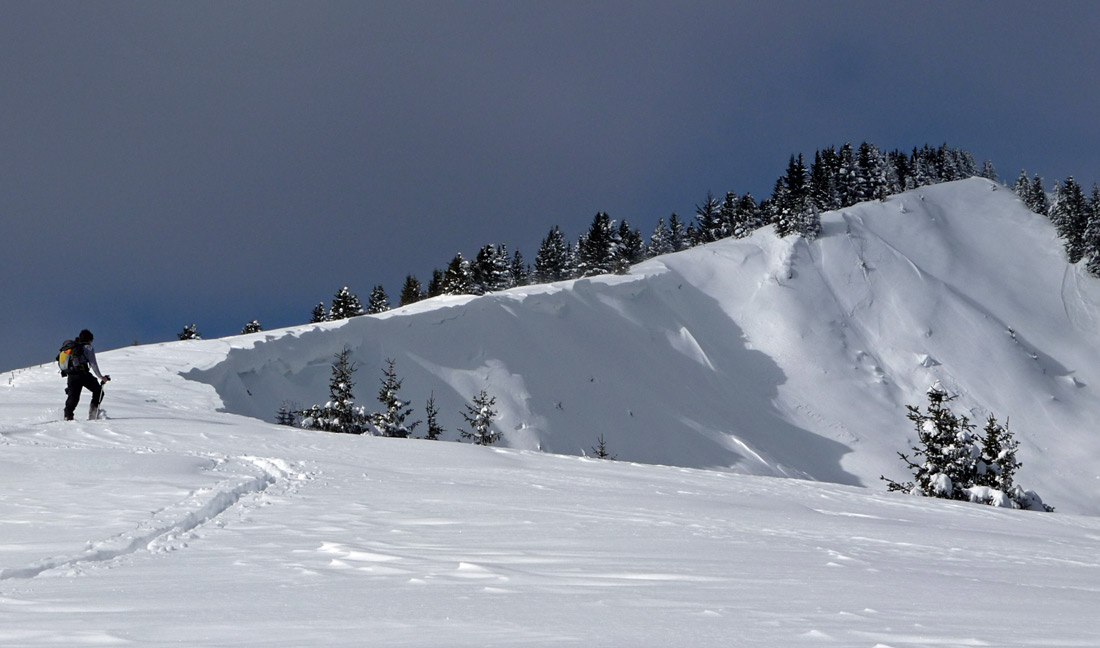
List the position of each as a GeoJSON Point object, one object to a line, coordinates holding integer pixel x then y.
{"type": "Point", "coordinates": [762, 355]}
{"type": "Point", "coordinates": [187, 517]}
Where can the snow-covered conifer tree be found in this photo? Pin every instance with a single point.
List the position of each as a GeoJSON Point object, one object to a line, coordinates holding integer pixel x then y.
{"type": "Point", "coordinates": [435, 431]}
{"type": "Point", "coordinates": [728, 213]}
{"type": "Point", "coordinates": [502, 277]}
{"type": "Point", "coordinates": [660, 242]}
{"type": "Point", "coordinates": [906, 172]}
{"type": "Point", "coordinates": [319, 314]}
{"type": "Point", "coordinates": [458, 279]}
{"type": "Point", "coordinates": [809, 226]}
{"type": "Point", "coordinates": [947, 165]}
{"type": "Point", "coordinates": [1022, 188]}
{"type": "Point", "coordinates": [1037, 200]}
{"type": "Point", "coordinates": [632, 247]}
{"type": "Point", "coordinates": [823, 173]}
{"type": "Point", "coordinates": [598, 248]}
{"type": "Point", "coordinates": [796, 212]}
{"type": "Point", "coordinates": [1092, 233]}
{"type": "Point", "coordinates": [692, 237]}
{"type": "Point", "coordinates": [786, 200]}
{"type": "Point", "coordinates": [481, 270]}
{"type": "Point", "coordinates": [339, 414]}
{"type": "Point", "coordinates": [947, 449]}
{"type": "Point", "coordinates": [379, 302]}
{"type": "Point", "coordinates": [896, 167]}
{"type": "Point", "coordinates": [999, 463]}
{"type": "Point", "coordinates": [411, 291]}
{"type": "Point", "coordinates": [923, 167]}
{"type": "Point", "coordinates": [709, 222]}
{"type": "Point", "coordinates": [678, 234]}
{"type": "Point", "coordinates": [847, 176]}
{"type": "Point", "coordinates": [286, 415]}
{"type": "Point", "coordinates": [870, 173]}
{"type": "Point", "coordinates": [435, 286]}
{"type": "Point", "coordinates": [492, 270]}
{"type": "Point", "coordinates": [554, 259]}
{"type": "Point", "coordinates": [391, 421]}
{"type": "Point", "coordinates": [480, 416]}
{"type": "Point", "coordinates": [968, 166]}
{"type": "Point", "coordinates": [747, 218]}
{"type": "Point", "coordinates": [600, 450]}
{"type": "Point", "coordinates": [988, 171]}
{"type": "Point", "coordinates": [995, 482]}
{"type": "Point", "coordinates": [1070, 215]}
{"type": "Point", "coordinates": [252, 327]}
{"type": "Point", "coordinates": [951, 462]}
{"type": "Point", "coordinates": [344, 305]}
{"type": "Point", "coordinates": [521, 272]}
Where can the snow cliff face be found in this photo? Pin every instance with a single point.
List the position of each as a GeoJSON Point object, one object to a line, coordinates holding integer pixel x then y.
{"type": "Point", "coordinates": [763, 356]}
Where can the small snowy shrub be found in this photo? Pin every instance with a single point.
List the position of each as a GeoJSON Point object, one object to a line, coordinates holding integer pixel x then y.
{"type": "Point", "coordinates": [600, 450]}
{"type": "Point", "coordinates": [190, 333]}
{"type": "Point", "coordinates": [287, 415]}
{"type": "Point", "coordinates": [435, 431]}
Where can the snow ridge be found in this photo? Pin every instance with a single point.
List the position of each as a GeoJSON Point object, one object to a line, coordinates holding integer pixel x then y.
{"type": "Point", "coordinates": [761, 355]}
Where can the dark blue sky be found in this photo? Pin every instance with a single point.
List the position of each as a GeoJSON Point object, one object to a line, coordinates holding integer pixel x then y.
{"type": "Point", "coordinates": [216, 162]}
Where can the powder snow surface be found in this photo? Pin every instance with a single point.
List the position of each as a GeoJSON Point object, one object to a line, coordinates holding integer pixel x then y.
{"type": "Point", "coordinates": [183, 520]}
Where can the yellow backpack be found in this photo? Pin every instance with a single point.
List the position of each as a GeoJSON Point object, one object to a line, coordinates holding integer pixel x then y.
{"type": "Point", "coordinates": [70, 357]}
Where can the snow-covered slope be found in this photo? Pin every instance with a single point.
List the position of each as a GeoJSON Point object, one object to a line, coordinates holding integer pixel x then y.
{"type": "Point", "coordinates": [175, 522]}
{"type": "Point", "coordinates": [762, 356]}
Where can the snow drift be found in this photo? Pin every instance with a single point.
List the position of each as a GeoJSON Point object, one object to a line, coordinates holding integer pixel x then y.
{"type": "Point", "coordinates": [762, 356]}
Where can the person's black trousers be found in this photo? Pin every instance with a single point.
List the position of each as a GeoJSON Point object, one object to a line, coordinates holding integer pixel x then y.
{"type": "Point", "coordinates": [80, 380]}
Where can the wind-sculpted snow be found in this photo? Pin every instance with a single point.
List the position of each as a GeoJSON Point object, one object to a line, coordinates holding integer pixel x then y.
{"type": "Point", "coordinates": [762, 356]}
{"type": "Point", "coordinates": [649, 361]}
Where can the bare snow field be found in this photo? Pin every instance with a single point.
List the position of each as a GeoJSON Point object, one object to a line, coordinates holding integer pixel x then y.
{"type": "Point", "coordinates": [715, 375]}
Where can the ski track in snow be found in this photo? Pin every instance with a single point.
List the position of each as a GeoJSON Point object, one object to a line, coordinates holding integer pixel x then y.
{"type": "Point", "coordinates": [173, 527]}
